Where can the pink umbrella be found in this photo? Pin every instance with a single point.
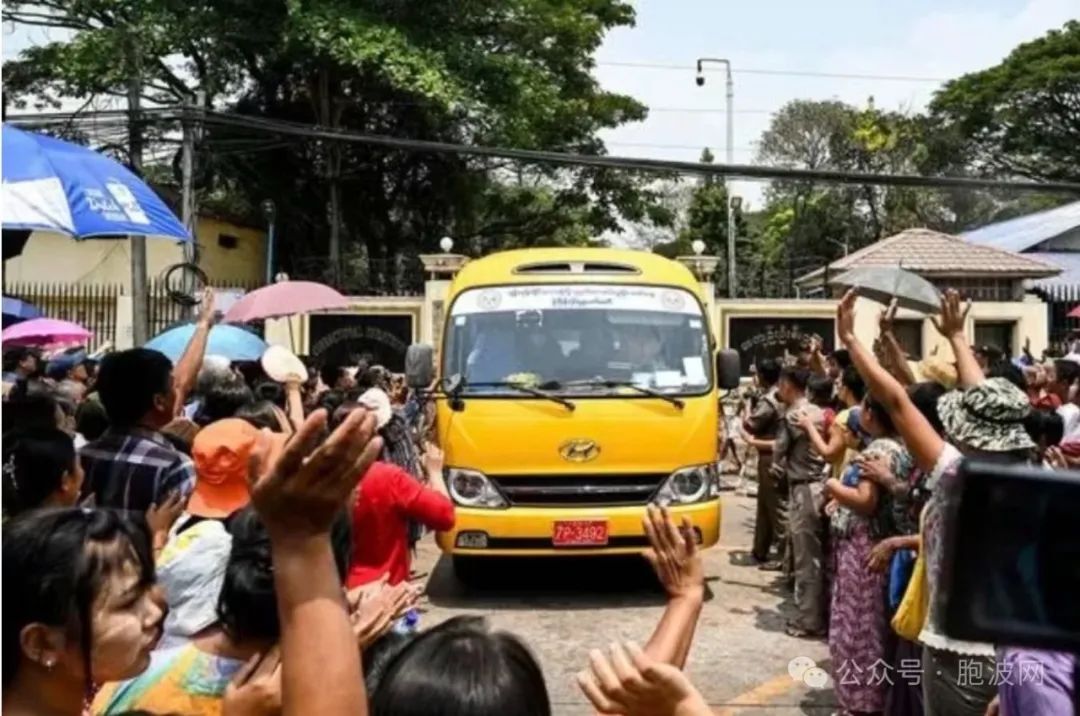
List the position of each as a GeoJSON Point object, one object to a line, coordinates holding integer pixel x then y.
{"type": "Point", "coordinates": [45, 332]}
{"type": "Point", "coordinates": [286, 298]}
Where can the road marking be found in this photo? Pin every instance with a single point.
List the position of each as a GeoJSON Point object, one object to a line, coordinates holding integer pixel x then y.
{"type": "Point", "coordinates": [760, 695]}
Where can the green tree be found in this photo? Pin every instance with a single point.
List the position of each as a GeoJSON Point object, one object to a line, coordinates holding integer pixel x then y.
{"type": "Point", "coordinates": [500, 72]}
{"type": "Point", "coordinates": [1022, 116]}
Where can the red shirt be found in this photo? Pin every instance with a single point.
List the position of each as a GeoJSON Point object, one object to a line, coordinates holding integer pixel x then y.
{"type": "Point", "coordinates": [388, 497]}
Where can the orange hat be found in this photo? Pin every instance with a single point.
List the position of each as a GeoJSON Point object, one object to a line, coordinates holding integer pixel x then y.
{"type": "Point", "coordinates": [220, 452]}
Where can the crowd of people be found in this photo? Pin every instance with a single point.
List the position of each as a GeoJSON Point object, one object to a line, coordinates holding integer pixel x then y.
{"type": "Point", "coordinates": [858, 473]}
{"type": "Point", "coordinates": [199, 539]}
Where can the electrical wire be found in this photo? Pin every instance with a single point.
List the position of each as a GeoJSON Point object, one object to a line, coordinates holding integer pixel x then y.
{"type": "Point", "coordinates": [735, 70]}
{"type": "Point", "coordinates": [742, 171]}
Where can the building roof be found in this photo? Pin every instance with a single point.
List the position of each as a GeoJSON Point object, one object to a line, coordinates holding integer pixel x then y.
{"type": "Point", "coordinates": [1026, 232]}
{"type": "Point", "coordinates": [932, 253]}
{"type": "Point", "coordinates": [1065, 283]}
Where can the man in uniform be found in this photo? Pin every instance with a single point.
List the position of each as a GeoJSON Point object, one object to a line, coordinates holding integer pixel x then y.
{"type": "Point", "coordinates": [803, 470]}
{"type": "Point", "coordinates": [760, 432]}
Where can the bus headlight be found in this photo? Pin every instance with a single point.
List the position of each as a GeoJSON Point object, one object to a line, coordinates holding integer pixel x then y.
{"type": "Point", "coordinates": [689, 485]}
{"type": "Point", "coordinates": [472, 489]}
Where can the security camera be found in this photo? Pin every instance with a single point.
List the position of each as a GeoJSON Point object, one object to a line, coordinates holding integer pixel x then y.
{"type": "Point", "coordinates": [700, 79]}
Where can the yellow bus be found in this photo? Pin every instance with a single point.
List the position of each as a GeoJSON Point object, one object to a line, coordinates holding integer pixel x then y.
{"type": "Point", "coordinates": [576, 387]}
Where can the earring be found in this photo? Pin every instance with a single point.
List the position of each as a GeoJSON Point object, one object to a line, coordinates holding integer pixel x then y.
{"type": "Point", "coordinates": [50, 663]}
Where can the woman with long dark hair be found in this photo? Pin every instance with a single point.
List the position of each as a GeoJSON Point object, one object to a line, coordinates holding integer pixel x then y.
{"type": "Point", "coordinates": [78, 607]}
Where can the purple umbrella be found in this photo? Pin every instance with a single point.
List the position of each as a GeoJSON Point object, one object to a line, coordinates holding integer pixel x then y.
{"type": "Point", "coordinates": [286, 298]}
{"type": "Point", "coordinates": [45, 332]}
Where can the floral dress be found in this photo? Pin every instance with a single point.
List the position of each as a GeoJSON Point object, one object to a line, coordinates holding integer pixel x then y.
{"type": "Point", "coordinates": [857, 618]}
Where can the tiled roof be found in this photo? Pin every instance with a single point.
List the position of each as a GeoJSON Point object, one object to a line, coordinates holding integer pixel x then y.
{"type": "Point", "coordinates": [932, 253]}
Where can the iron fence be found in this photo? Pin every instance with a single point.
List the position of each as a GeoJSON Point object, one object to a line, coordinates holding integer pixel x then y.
{"type": "Point", "coordinates": [91, 306]}
{"type": "Point", "coordinates": [94, 306]}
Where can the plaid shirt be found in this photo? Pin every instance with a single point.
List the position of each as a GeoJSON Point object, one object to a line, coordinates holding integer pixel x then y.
{"type": "Point", "coordinates": [134, 469]}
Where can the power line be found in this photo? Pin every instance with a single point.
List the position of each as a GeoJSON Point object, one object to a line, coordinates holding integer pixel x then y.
{"type": "Point", "coordinates": [698, 147]}
{"type": "Point", "coordinates": [708, 110]}
{"type": "Point", "coordinates": [782, 73]}
{"type": "Point", "coordinates": [742, 171]}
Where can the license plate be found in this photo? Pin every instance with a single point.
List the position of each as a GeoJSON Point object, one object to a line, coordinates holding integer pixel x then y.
{"type": "Point", "coordinates": [580, 533]}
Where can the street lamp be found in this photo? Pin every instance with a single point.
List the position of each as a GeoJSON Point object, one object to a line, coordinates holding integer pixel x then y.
{"type": "Point", "coordinates": [730, 97]}
{"type": "Point", "coordinates": [269, 211]}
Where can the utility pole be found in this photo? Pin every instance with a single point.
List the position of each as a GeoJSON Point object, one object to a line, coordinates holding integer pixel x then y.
{"type": "Point", "coordinates": [730, 154]}
{"type": "Point", "coordinates": [140, 325]}
{"type": "Point", "coordinates": [188, 210]}
{"type": "Point", "coordinates": [187, 176]}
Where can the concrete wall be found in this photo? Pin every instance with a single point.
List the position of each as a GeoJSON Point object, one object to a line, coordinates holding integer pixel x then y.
{"type": "Point", "coordinates": [54, 258]}
{"type": "Point", "coordinates": [278, 331]}
{"type": "Point", "coordinates": [1029, 317]}
{"type": "Point", "coordinates": [245, 264]}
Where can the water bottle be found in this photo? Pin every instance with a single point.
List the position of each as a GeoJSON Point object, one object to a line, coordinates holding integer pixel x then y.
{"type": "Point", "coordinates": [408, 624]}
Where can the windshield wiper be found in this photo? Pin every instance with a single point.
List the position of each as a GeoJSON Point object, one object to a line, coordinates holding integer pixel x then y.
{"type": "Point", "coordinates": [601, 383]}
{"type": "Point", "coordinates": [535, 392]}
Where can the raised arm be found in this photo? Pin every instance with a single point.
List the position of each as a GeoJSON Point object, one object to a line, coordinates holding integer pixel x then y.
{"type": "Point", "coordinates": [830, 450]}
{"type": "Point", "coordinates": [298, 496]}
{"type": "Point", "coordinates": [925, 444]}
{"type": "Point", "coordinates": [294, 402]}
{"type": "Point", "coordinates": [187, 368]}
{"type": "Point", "coordinates": [675, 557]}
{"type": "Point", "coordinates": [895, 355]}
{"type": "Point", "coordinates": [817, 360]}
{"type": "Point", "coordinates": [951, 326]}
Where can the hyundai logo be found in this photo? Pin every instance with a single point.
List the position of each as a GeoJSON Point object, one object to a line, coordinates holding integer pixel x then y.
{"type": "Point", "coordinates": [579, 450]}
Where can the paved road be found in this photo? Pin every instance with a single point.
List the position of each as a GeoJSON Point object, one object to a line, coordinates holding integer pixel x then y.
{"type": "Point", "coordinates": [563, 608]}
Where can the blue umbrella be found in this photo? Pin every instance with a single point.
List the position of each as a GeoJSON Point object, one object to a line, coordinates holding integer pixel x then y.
{"type": "Point", "coordinates": [16, 311]}
{"type": "Point", "coordinates": [56, 186]}
{"type": "Point", "coordinates": [233, 342]}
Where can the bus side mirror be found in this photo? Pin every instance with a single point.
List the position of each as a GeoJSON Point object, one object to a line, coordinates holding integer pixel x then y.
{"type": "Point", "coordinates": [419, 366]}
{"type": "Point", "coordinates": [728, 369]}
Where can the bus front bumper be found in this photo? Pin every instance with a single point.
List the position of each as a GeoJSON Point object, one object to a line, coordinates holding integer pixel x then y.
{"type": "Point", "coordinates": [529, 531]}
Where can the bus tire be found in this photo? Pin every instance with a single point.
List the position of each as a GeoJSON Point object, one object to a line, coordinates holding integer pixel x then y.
{"type": "Point", "coordinates": [471, 571]}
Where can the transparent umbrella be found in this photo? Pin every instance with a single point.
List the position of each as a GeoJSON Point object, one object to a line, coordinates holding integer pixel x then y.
{"type": "Point", "coordinates": [884, 283]}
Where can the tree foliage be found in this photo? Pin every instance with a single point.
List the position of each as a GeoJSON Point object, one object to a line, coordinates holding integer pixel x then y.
{"type": "Point", "coordinates": [1022, 116]}
{"type": "Point", "coordinates": [496, 72]}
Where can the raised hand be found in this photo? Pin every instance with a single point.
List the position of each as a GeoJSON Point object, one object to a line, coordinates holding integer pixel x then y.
{"type": "Point", "coordinates": [888, 317]}
{"type": "Point", "coordinates": [626, 681]}
{"type": "Point", "coordinates": [673, 553]}
{"type": "Point", "coordinates": [162, 517]}
{"type": "Point", "coordinates": [434, 459]}
{"type": "Point", "coordinates": [206, 305]}
{"type": "Point", "coordinates": [954, 314]}
{"type": "Point", "coordinates": [299, 492]}
{"type": "Point", "coordinates": [845, 317]}
{"type": "Point", "coordinates": [255, 690]}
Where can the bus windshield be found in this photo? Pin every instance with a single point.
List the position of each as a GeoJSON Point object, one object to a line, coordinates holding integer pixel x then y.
{"type": "Point", "coordinates": [578, 338]}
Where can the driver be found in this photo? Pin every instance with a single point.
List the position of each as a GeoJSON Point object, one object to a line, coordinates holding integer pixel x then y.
{"type": "Point", "coordinates": [645, 349]}
{"type": "Point", "coordinates": [537, 351]}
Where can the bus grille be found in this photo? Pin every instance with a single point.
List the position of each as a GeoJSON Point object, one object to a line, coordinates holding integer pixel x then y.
{"type": "Point", "coordinates": [581, 490]}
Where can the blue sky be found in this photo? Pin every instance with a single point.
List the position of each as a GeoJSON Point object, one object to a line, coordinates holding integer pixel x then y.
{"type": "Point", "coordinates": [917, 38]}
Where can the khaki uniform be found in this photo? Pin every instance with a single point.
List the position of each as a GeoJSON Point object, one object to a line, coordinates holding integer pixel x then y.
{"type": "Point", "coordinates": [803, 470]}
{"type": "Point", "coordinates": [763, 424]}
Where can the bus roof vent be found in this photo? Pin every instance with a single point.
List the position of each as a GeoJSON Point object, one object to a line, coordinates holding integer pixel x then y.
{"type": "Point", "coordinates": [576, 267]}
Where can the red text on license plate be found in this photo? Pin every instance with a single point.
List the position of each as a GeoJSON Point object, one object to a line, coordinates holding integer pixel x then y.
{"type": "Point", "coordinates": [580, 533]}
